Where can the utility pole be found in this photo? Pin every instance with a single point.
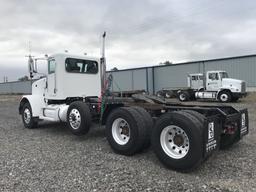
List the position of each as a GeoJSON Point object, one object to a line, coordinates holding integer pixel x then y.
{"type": "Point", "coordinates": [5, 79]}
{"type": "Point", "coordinates": [29, 47]}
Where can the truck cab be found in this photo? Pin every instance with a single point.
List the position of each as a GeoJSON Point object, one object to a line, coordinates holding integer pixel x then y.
{"type": "Point", "coordinates": [219, 81]}
{"type": "Point", "coordinates": [72, 76]}
{"type": "Point", "coordinates": [68, 77]}
{"type": "Point", "coordinates": [213, 85]}
{"type": "Point", "coordinates": [196, 81]}
{"type": "Point", "coordinates": [214, 80]}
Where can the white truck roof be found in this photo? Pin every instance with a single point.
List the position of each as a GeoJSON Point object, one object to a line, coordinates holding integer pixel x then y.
{"type": "Point", "coordinates": [216, 71]}
{"type": "Point", "coordinates": [196, 74]}
{"type": "Point", "coordinates": [65, 55]}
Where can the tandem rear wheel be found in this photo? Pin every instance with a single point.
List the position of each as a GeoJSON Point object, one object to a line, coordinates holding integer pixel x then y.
{"type": "Point", "coordinates": [183, 96]}
{"type": "Point", "coordinates": [177, 140]}
{"type": "Point", "coordinates": [128, 130]}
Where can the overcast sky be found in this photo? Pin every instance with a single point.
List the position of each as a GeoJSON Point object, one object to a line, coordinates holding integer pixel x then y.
{"type": "Point", "coordinates": [139, 32]}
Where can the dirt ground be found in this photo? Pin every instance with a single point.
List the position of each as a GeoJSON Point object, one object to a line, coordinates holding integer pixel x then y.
{"type": "Point", "coordinates": [50, 158]}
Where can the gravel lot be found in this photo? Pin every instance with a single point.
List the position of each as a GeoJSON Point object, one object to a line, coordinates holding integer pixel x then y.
{"type": "Point", "coordinates": [50, 158]}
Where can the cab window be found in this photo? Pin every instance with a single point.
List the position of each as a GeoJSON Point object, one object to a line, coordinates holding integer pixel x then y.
{"type": "Point", "coordinates": [194, 78]}
{"type": "Point", "coordinates": [213, 76]}
{"type": "Point", "coordinates": [51, 66]}
{"type": "Point", "coordinates": [81, 66]}
{"type": "Point", "coordinates": [223, 75]}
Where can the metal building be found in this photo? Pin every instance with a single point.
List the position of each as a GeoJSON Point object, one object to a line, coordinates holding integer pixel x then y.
{"type": "Point", "coordinates": [16, 87]}
{"type": "Point", "coordinates": [155, 78]}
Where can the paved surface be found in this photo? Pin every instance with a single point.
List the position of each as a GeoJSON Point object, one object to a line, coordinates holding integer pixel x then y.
{"type": "Point", "coordinates": [50, 158]}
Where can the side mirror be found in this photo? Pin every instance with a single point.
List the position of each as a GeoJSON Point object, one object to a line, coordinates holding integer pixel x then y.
{"type": "Point", "coordinates": [31, 66]}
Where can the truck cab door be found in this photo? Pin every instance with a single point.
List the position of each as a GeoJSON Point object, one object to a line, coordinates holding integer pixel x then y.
{"type": "Point", "coordinates": [51, 78]}
{"type": "Point", "coordinates": [213, 81]}
{"type": "Point", "coordinates": [194, 82]}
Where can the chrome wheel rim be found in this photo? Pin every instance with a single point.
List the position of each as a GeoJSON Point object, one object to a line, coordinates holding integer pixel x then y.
{"type": "Point", "coordinates": [74, 119]}
{"type": "Point", "coordinates": [182, 97]}
{"type": "Point", "coordinates": [224, 97]}
{"type": "Point", "coordinates": [174, 141]}
{"type": "Point", "coordinates": [167, 95]}
{"type": "Point", "coordinates": [121, 131]}
{"type": "Point", "coordinates": [27, 116]}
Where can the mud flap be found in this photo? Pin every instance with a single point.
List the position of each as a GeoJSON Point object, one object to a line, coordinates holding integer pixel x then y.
{"type": "Point", "coordinates": [212, 129]}
{"type": "Point", "coordinates": [244, 123]}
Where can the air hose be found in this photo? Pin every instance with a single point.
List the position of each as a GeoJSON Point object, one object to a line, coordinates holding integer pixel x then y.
{"type": "Point", "coordinates": [104, 93]}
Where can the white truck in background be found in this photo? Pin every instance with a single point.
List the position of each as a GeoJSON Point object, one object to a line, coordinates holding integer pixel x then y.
{"type": "Point", "coordinates": [215, 85]}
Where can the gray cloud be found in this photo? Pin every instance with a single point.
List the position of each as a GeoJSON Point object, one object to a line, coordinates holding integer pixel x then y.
{"type": "Point", "coordinates": [139, 32]}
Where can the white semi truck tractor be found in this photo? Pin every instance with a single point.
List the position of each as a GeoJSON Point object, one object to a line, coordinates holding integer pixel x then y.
{"type": "Point", "coordinates": [214, 85]}
{"type": "Point", "coordinates": [75, 90]}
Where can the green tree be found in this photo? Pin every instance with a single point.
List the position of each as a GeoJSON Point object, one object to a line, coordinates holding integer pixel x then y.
{"type": "Point", "coordinates": [166, 63]}
{"type": "Point", "coordinates": [114, 69]}
{"type": "Point", "coordinates": [25, 78]}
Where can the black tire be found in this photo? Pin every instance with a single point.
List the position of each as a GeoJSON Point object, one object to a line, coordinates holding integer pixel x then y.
{"type": "Point", "coordinates": [235, 99]}
{"type": "Point", "coordinates": [183, 96]}
{"type": "Point", "coordinates": [200, 117]}
{"type": "Point", "coordinates": [79, 110]}
{"type": "Point", "coordinates": [189, 124]}
{"type": "Point", "coordinates": [160, 94]}
{"type": "Point", "coordinates": [224, 96]}
{"type": "Point", "coordinates": [169, 94]}
{"type": "Point", "coordinates": [148, 122]}
{"type": "Point", "coordinates": [137, 132]}
{"type": "Point", "coordinates": [28, 123]}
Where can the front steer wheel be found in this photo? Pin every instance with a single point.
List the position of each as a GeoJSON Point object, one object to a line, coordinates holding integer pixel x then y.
{"type": "Point", "coordinates": [126, 131]}
{"type": "Point", "coordinates": [27, 117]}
{"type": "Point", "coordinates": [225, 96]}
{"type": "Point", "coordinates": [177, 140]}
{"type": "Point", "coordinates": [79, 118]}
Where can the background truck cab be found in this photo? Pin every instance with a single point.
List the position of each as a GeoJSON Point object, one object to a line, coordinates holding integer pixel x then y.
{"type": "Point", "coordinates": [213, 85]}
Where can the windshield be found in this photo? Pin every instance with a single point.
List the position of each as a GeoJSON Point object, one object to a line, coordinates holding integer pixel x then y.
{"type": "Point", "coordinates": [223, 75]}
